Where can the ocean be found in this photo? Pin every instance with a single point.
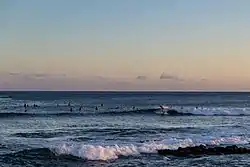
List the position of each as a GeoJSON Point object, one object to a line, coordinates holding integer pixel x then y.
{"type": "Point", "coordinates": [116, 129]}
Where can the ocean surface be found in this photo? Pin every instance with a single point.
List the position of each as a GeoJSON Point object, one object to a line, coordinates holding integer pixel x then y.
{"type": "Point", "coordinates": [115, 129]}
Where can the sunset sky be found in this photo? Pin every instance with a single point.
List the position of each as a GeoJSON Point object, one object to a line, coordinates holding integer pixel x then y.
{"type": "Point", "coordinates": [125, 45]}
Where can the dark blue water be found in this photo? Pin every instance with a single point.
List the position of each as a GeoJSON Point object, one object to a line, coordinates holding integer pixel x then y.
{"type": "Point", "coordinates": [119, 128]}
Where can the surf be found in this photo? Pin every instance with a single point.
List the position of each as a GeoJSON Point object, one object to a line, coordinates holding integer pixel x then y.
{"type": "Point", "coordinates": [112, 152]}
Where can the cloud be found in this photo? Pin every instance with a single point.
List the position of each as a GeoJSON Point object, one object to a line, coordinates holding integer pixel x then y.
{"type": "Point", "coordinates": [203, 79]}
{"type": "Point", "coordinates": [35, 75]}
{"type": "Point", "coordinates": [44, 75]}
{"type": "Point", "coordinates": [141, 77]}
{"type": "Point", "coordinates": [100, 78]}
{"type": "Point", "coordinates": [40, 75]}
{"type": "Point", "coordinates": [170, 77]}
{"type": "Point", "coordinates": [14, 73]}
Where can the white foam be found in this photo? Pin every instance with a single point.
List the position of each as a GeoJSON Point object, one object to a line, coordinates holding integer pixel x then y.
{"type": "Point", "coordinates": [97, 152]}
{"type": "Point", "coordinates": [91, 152]}
{"type": "Point", "coordinates": [229, 140]}
{"type": "Point", "coordinates": [210, 111]}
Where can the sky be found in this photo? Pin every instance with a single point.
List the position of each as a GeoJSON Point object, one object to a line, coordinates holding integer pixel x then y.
{"type": "Point", "coordinates": [125, 45]}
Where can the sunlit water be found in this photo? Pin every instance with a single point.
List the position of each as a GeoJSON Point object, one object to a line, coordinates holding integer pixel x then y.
{"type": "Point", "coordinates": [119, 129]}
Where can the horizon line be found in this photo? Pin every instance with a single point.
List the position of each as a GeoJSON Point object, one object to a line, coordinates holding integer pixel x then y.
{"type": "Point", "coordinates": [208, 91]}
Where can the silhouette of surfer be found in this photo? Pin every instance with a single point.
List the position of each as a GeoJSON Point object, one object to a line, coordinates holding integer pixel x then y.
{"type": "Point", "coordinates": [162, 110]}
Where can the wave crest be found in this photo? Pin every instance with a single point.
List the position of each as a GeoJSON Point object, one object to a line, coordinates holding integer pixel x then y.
{"type": "Point", "coordinates": [81, 151]}
{"type": "Point", "coordinates": [98, 152]}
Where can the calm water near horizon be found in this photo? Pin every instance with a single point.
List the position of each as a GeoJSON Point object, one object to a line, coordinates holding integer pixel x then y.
{"type": "Point", "coordinates": [118, 129]}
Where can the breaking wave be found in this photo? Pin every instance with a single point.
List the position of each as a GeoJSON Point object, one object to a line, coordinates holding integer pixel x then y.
{"type": "Point", "coordinates": [91, 152]}
{"type": "Point", "coordinates": [214, 111]}
{"type": "Point", "coordinates": [105, 153]}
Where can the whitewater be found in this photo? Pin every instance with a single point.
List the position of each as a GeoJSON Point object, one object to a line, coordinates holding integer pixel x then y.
{"type": "Point", "coordinates": [120, 128]}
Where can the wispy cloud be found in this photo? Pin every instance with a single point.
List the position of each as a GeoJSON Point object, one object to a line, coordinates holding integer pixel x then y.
{"type": "Point", "coordinates": [203, 79]}
{"type": "Point", "coordinates": [35, 75]}
{"type": "Point", "coordinates": [170, 77]}
{"type": "Point", "coordinates": [14, 73]}
{"type": "Point", "coordinates": [141, 77]}
{"type": "Point", "coordinates": [44, 75]}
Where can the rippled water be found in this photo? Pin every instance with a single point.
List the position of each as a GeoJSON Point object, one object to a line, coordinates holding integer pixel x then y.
{"type": "Point", "coordinates": [125, 131]}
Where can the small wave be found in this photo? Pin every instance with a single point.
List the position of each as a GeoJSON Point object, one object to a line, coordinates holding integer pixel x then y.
{"type": "Point", "coordinates": [38, 134]}
{"type": "Point", "coordinates": [22, 114]}
{"type": "Point", "coordinates": [5, 97]}
{"type": "Point", "coordinates": [209, 111]}
{"type": "Point", "coordinates": [106, 131]}
{"type": "Point", "coordinates": [184, 111]}
{"type": "Point", "coordinates": [175, 111]}
{"type": "Point", "coordinates": [12, 114]}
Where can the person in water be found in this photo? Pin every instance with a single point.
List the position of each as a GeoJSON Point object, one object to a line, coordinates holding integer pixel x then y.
{"type": "Point", "coordinates": [162, 109]}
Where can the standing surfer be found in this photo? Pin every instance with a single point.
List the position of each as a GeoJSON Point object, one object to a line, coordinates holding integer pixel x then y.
{"type": "Point", "coordinates": [162, 109]}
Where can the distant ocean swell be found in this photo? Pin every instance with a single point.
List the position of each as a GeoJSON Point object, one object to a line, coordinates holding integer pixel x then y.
{"type": "Point", "coordinates": [186, 111]}
{"type": "Point", "coordinates": [80, 133]}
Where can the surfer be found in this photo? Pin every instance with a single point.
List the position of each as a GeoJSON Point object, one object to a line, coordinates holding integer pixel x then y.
{"type": "Point", "coordinates": [162, 110]}
{"type": "Point", "coordinates": [80, 108]}
{"type": "Point", "coordinates": [71, 109]}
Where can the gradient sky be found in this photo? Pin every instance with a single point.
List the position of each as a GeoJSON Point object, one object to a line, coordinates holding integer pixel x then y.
{"type": "Point", "coordinates": [125, 44]}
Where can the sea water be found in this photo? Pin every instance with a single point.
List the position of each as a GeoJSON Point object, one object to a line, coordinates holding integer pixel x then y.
{"type": "Point", "coordinates": [120, 128]}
